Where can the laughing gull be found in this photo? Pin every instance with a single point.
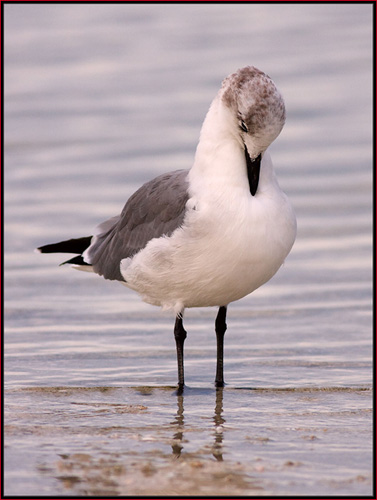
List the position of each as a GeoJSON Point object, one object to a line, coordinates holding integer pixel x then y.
{"type": "Point", "coordinates": [209, 235]}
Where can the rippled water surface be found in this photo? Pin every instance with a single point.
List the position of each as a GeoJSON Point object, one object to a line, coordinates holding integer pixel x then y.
{"type": "Point", "coordinates": [99, 99]}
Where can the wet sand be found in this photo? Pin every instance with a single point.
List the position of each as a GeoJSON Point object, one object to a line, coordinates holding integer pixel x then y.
{"type": "Point", "coordinates": [110, 441]}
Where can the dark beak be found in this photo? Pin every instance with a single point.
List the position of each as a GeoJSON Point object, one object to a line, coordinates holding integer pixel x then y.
{"type": "Point", "coordinates": [253, 169]}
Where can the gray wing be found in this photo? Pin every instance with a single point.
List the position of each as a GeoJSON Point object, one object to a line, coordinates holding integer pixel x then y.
{"type": "Point", "coordinates": [154, 210]}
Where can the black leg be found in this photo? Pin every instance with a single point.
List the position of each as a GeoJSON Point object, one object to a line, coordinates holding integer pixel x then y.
{"type": "Point", "coordinates": [180, 335]}
{"type": "Point", "coordinates": [220, 328]}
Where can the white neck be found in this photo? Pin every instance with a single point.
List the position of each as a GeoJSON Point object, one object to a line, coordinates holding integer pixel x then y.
{"type": "Point", "coordinates": [220, 158]}
{"type": "Point", "coordinates": [218, 149]}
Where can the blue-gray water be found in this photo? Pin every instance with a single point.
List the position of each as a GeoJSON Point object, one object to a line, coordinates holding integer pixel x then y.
{"type": "Point", "coordinates": [99, 99]}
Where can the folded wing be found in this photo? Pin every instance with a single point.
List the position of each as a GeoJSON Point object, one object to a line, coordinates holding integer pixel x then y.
{"type": "Point", "coordinates": [156, 209]}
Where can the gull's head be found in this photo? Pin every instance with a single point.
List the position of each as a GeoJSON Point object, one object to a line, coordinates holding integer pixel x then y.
{"type": "Point", "coordinates": [256, 108]}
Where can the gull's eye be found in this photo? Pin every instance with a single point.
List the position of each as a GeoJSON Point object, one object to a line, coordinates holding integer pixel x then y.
{"type": "Point", "coordinates": [243, 126]}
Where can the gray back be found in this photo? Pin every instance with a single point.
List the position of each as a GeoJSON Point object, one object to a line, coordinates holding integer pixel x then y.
{"type": "Point", "coordinates": [154, 210]}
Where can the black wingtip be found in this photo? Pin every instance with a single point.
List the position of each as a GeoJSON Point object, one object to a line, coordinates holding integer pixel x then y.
{"type": "Point", "coordinates": [76, 245]}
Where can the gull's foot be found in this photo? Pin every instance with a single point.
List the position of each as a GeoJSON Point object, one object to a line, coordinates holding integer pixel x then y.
{"type": "Point", "coordinates": [180, 389]}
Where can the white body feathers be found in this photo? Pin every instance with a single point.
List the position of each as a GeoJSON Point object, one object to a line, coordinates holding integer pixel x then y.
{"type": "Point", "coordinates": [230, 242]}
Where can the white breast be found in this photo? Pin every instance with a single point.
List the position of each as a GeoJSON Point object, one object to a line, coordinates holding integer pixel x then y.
{"type": "Point", "coordinates": [230, 244]}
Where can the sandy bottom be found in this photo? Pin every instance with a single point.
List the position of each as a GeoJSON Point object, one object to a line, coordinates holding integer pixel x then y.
{"type": "Point", "coordinates": [110, 441]}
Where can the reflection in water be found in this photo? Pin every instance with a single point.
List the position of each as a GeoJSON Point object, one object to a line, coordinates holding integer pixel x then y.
{"type": "Point", "coordinates": [118, 448]}
{"type": "Point", "coordinates": [219, 421]}
{"type": "Point", "coordinates": [179, 422]}
{"type": "Point", "coordinates": [217, 448]}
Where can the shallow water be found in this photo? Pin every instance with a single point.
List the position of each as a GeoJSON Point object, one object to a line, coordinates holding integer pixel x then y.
{"type": "Point", "coordinates": [147, 441]}
{"type": "Point", "coordinates": [100, 98]}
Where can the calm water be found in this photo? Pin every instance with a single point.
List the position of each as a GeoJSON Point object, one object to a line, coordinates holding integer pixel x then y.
{"type": "Point", "coordinates": [99, 99]}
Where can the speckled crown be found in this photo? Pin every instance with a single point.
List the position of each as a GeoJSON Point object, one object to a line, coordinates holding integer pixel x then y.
{"type": "Point", "coordinates": [253, 96]}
